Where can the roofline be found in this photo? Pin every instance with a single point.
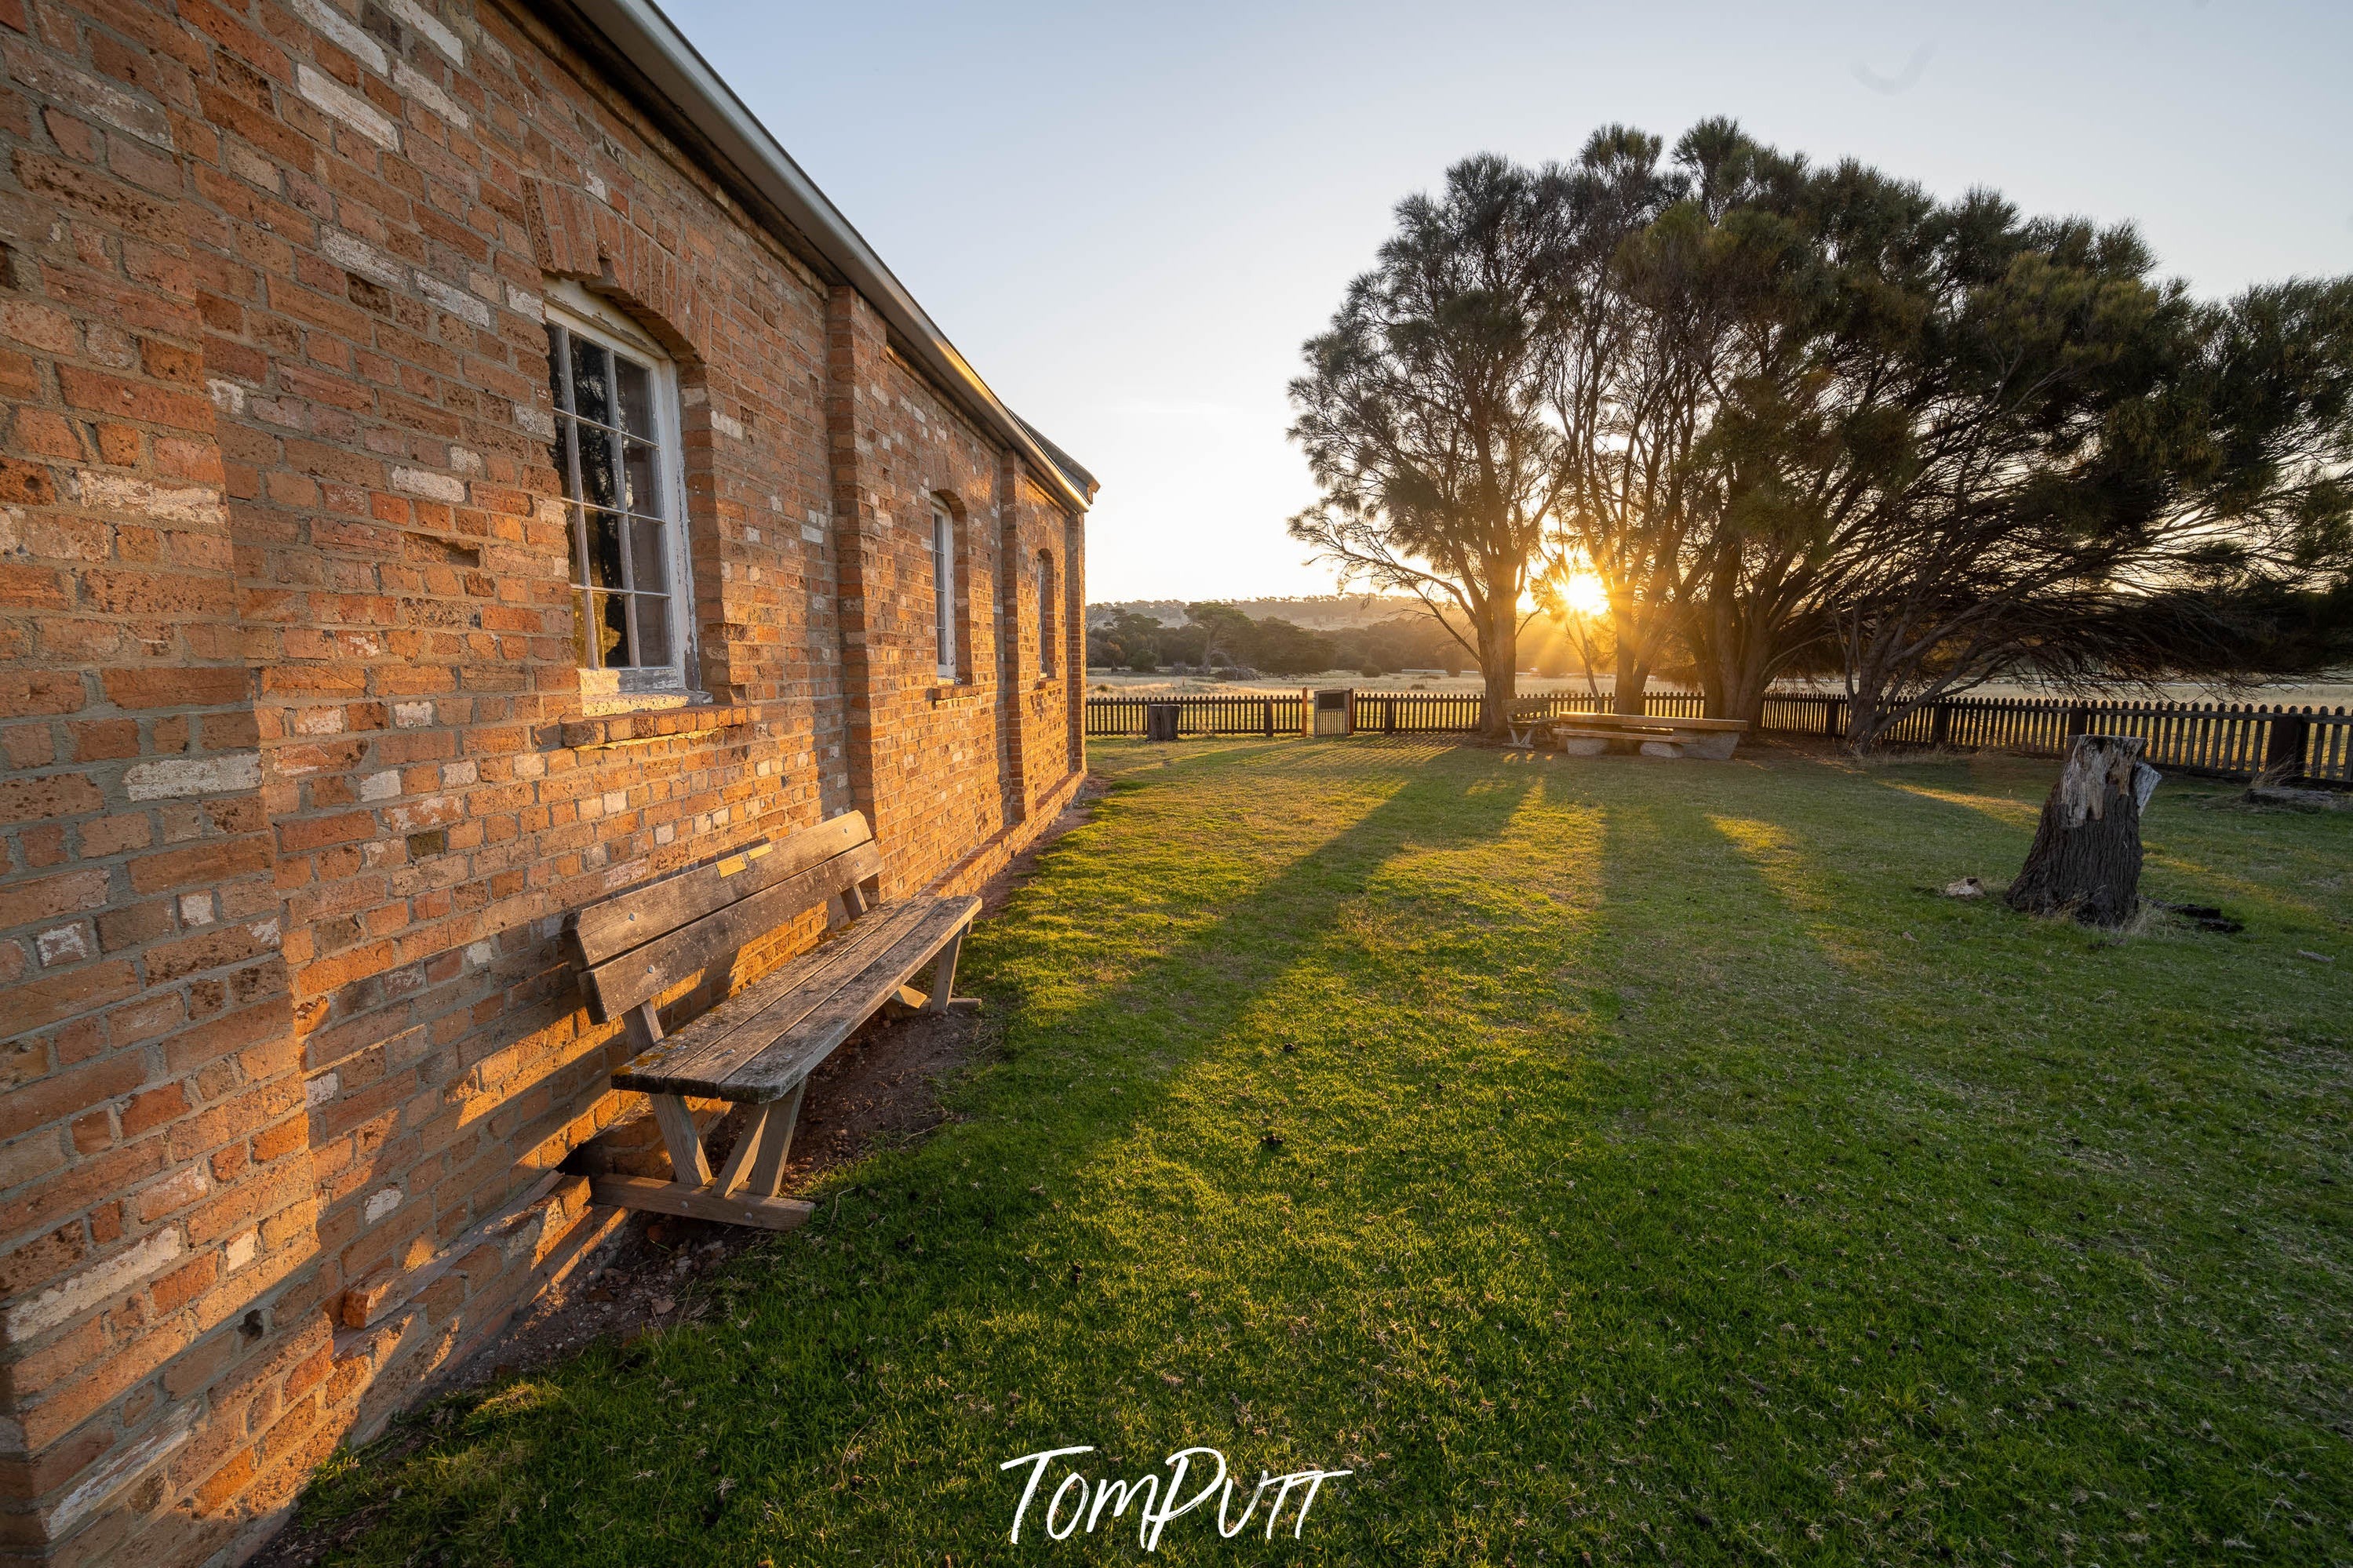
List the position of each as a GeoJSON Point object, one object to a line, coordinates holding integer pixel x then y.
{"type": "Point", "coordinates": [637, 32]}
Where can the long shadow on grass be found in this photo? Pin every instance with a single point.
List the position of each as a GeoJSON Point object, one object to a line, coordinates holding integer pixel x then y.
{"type": "Point", "coordinates": [893, 1322]}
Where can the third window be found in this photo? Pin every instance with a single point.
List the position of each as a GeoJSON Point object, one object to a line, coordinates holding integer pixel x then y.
{"type": "Point", "coordinates": [944, 590]}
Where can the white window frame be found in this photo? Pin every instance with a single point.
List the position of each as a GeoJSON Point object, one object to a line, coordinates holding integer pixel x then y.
{"type": "Point", "coordinates": [577, 310]}
{"type": "Point", "coordinates": [943, 628]}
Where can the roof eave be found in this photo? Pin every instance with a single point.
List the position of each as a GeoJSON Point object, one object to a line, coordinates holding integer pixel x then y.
{"type": "Point", "coordinates": [637, 32]}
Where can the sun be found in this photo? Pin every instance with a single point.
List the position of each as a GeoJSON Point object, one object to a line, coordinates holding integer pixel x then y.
{"type": "Point", "coordinates": [1584, 593]}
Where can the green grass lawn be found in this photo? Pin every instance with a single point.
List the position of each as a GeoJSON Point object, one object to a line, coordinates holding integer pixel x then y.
{"type": "Point", "coordinates": [1658, 1171]}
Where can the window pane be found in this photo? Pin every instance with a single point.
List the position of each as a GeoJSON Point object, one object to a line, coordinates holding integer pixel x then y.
{"type": "Point", "coordinates": [610, 621]}
{"type": "Point", "coordinates": [636, 389]}
{"type": "Point", "coordinates": [944, 591]}
{"type": "Point", "coordinates": [648, 558]}
{"type": "Point", "coordinates": [603, 550]}
{"type": "Point", "coordinates": [612, 470]}
{"type": "Point", "coordinates": [639, 468]}
{"type": "Point", "coordinates": [592, 381]}
{"type": "Point", "coordinates": [653, 629]}
{"type": "Point", "coordinates": [600, 467]}
{"type": "Point", "coordinates": [1045, 619]}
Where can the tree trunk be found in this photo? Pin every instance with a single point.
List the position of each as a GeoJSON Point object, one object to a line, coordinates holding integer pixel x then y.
{"type": "Point", "coordinates": [1863, 724]}
{"type": "Point", "coordinates": [1630, 691]}
{"type": "Point", "coordinates": [2085, 859]}
{"type": "Point", "coordinates": [1747, 693]}
{"type": "Point", "coordinates": [1499, 667]}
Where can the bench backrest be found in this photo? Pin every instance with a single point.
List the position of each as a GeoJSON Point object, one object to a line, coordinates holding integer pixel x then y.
{"type": "Point", "coordinates": [638, 943]}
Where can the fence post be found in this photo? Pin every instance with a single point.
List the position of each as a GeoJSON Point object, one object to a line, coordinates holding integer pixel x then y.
{"type": "Point", "coordinates": [2079, 720]}
{"type": "Point", "coordinates": [1269, 719]}
{"type": "Point", "coordinates": [1834, 718]}
{"type": "Point", "coordinates": [2284, 747]}
{"type": "Point", "coordinates": [1389, 716]}
{"type": "Point", "coordinates": [1940, 723]}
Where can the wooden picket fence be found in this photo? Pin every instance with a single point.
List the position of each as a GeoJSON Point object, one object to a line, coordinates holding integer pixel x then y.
{"type": "Point", "coordinates": [2311, 744]}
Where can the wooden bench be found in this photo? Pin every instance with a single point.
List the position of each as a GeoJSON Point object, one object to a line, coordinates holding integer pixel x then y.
{"type": "Point", "coordinates": [1590, 735]}
{"type": "Point", "coordinates": [759, 1046]}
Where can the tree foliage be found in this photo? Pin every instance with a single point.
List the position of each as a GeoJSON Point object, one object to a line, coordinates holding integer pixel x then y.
{"type": "Point", "coordinates": [1423, 412]}
{"type": "Point", "coordinates": [1794, 416]}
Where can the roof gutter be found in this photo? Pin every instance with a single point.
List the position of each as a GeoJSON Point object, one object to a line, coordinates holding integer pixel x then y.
{"type": "Point", "coordinates": [638, 33]}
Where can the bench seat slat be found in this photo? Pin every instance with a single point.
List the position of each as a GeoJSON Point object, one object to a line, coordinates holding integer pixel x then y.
{"type": "Point", "coordinates": [695, 1059]}
{"type": "Point", "coordinates": [646, 971]}
{"type": "Point", "coordinates": [816, 1001]}
{"type": "Point", "coordinates": [774, 1072]}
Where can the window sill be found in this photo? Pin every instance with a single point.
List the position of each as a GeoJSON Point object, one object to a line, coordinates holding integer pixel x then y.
{"type": "Point", "coordinates": [607, 704]}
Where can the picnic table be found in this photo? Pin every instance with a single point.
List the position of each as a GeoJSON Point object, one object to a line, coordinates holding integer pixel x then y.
{"type": "Point", "coordinates": [1645, 734]}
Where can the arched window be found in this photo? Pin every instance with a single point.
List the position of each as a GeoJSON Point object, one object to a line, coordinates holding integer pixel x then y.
{"type": "Point", "coordinates": [944, 640]}
{"type": "Point", "coordinates": [1046, 617]}
{"type": "Point", "coordinates": [616, 453]}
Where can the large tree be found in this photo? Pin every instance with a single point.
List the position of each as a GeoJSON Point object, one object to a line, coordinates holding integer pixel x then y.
{"type": "Point", "coordinates": [1660, 282]}
{"type": "Point", "coordinates": [1426, 414]}
{"type": "Point", "coordinates": [1924, 458]}
{"type": "Point", "coordinates": [2002, 445]}
{"type": "Point", "coordinates": [1797, 418]}
{"type": "Point", "coordinates": [1944, 442]}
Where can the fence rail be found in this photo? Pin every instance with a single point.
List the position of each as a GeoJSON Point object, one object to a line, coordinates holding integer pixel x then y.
{"type": "Point", "coordinates": [2314, 744]}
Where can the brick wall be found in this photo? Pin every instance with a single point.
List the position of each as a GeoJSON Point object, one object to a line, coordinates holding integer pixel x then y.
{"type": "Point", "coordinates": [301, 777]}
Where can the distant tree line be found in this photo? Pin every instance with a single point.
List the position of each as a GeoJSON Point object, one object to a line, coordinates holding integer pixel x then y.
{"type": "Point", "coordinates": [1758, 416]}
{"type": "Point", "coordinates": [1222, 637]}
{"type": "Point", "coordinates": [1216, 637]}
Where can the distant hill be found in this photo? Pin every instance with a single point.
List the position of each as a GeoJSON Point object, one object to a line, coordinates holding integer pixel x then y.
{"type": "Point", "coordinates": [1322, 611]}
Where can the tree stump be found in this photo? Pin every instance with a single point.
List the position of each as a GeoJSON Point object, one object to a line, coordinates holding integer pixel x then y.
{"type": "Point", "coordinates": [2085, 859]}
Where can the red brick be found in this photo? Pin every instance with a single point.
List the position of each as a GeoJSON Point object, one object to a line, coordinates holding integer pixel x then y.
{"type": "Point", "coordinates": [42, 1260]}
{"type": "Point", "coordinates": [184, 1284]}
{"type": "Point", "coordinates": [138, 690]}
{"type": "Point", "coordinates": [152, 1108]}
{"type": "Point", "coordinates": [100, 393]}
{"type": "Point", "coordinates": [22, 903]}
{"type": "Point", "coordinates": [62, 993]}
{"type": "Point", "coordinates": [63, 1094]}
{"type": "Point", "coordinates": [278, 1142]}
{"type": "Point", "coordinates": [27, 484]}
{"type": "Point", "coordinates": [199, 865]}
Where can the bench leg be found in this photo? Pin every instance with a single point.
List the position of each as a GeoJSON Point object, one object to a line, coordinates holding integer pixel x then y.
{"type": "Point", "coordinates": [739, 1161]}
{"type": "Point", "coordinates": [757, 1162]}
{"type": "Point", "coordinates": [685, 1144]}
{"type": "Point", "coordinates": [944, 976]}
{"type": "Point", "coordinates": [776, 1142]}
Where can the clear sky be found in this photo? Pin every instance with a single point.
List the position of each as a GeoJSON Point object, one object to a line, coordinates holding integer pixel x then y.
{"type": "Point", "coordinates": [1129, 217]}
